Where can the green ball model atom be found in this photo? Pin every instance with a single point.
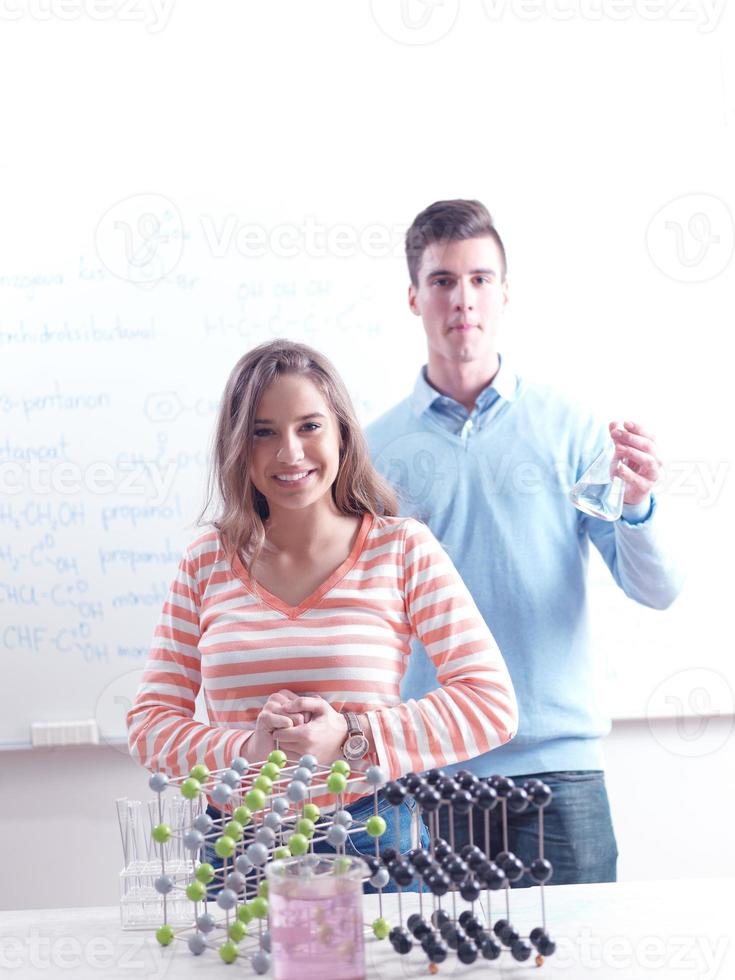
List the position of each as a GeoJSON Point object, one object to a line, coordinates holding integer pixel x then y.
{"type": "Point", "coordinates": [339, 765]}
{"type": "Point", "coordinates": [255, 799]}
{"type": "Point", "coordinates": [161, 833]}
{"type": "Point", "coordinates": [204, 873]}
{"type": "Point", "coordinates": [229, 951]}
{"type": "Point", "coordinates": [311, 811]}
{"type": "Point", "coordinates": [375, 826]}
{"type": "Point", "coordinates": [336, 783]}
{"type": "Point", "coordinates": [271, 770]}
{"type": "Point", "coordinates": [381, 928]}
{"type": "Point", "coordinates": [305, 827]}
{"type": "Point", "coordinates": [259, 907]}
{"type": "Point", "coordinates": [298, 844]}
{"type": "Point", "coordinates": [242, 815]}
{"type": "Point", "coordinates": [191, 788]}
{"type": "Point", "coordinates": [277, 756]}
{"type": "Point", "coordinates": [234, 829]}
{"type": "Point", "coordinates": [225, 846]}
{"type": "Point", "coordinates": [245, 914]}
{"type": "Point", "coordinates": [165, 935]}
{"type": "Point", "coordinates": [195, 891]}
{"type": "Point", "coordinates": [200, 772]}
{"type": "Point", "coordinates": [238, 931]}
{"type": "Point", "coordinates": [280, 853]}
{"type": "Point", "coordinates": [263, 782]}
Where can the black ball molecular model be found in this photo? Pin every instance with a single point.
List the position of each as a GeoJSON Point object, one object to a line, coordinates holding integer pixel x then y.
{"type": "Point", "coordinates": [474, 877]}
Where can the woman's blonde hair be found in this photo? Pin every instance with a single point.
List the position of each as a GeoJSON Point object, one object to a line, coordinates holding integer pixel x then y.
{"type": "Point", "coordinates": [242, 511]}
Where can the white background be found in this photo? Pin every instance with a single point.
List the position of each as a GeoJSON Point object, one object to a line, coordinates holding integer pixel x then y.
{"type": "Point", "coordinates": [600, 135]}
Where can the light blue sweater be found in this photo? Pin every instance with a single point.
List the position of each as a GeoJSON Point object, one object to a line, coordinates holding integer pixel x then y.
{"type": "Point", "coordinates": [493, 486]}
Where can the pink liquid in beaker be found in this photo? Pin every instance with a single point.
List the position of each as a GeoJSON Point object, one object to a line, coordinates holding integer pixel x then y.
{"type": "Point", "coordinates": [316, 926]}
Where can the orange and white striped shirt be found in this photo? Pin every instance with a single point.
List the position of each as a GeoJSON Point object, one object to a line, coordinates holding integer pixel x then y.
{"type": "Point", "coordinates": [348, 642]}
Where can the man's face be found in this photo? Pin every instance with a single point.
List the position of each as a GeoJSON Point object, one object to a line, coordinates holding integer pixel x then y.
{"type": "Point", "coordinates": [461, 295]}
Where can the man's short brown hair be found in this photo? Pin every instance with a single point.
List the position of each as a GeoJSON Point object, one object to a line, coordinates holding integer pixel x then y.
{"type": "Point", "coordinates": [452, 221]}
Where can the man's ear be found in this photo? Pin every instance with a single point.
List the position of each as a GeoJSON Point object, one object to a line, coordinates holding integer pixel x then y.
{"type": "Point", "coordinates": [412, 300]}
{"type": "Point", "coordinates": [506, 291]}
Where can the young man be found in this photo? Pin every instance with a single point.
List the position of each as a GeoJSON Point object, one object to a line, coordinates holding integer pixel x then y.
{"type": "Point", "coordinates": [486, 460]}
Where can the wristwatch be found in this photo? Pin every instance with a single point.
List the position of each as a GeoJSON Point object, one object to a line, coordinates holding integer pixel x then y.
{"type": "Point", "coordinates": [356, 745]}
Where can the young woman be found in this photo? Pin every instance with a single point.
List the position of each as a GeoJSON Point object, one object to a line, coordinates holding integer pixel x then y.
{"type": "Point", "coordinates": [299, 604]}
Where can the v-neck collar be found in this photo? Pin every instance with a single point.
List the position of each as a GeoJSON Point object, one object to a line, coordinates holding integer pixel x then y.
{"type": "Point", "coordinates": [311, 600]}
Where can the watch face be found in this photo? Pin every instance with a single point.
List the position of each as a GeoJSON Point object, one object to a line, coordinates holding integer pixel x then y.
{"type": "Point", "coordinates": [356, 747]}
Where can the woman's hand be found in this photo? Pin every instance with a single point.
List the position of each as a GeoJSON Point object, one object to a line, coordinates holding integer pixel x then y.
{"type": "Point", "coordinates": [322, 737]}
{"type": "Point", "coordinates": [276, 715]}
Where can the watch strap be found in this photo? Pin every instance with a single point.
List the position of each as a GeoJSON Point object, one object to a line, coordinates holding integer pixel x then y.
{"type": "Point", "coordinates": [353, 724]}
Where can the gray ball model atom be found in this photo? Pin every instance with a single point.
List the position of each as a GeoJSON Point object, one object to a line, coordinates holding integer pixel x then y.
{"type": "Point", "coordinates": [280, 806]}
{"type": "Point", "coordinates": [231, 777]}
{"type": "Point", "coordinates": [258, 853]}
{"type": "Point", "coordinates": [227, 899]}
{"type": "Point", "coordinates": [309, 761]}
{"type": "Point", "coordinates": [261, 962]}
{"type": "Point", "coordinates": [206, 922]}
{"type": "Point", "coordinates": [265, 941]}
{"type": "Point", "coordinates": [310, 862]}
{"type": "Point", "coordinates": [336, 835]}
{"type": "Point", "coordinates": [221, 793]}
{"type": "Point", "coordinates": [235, 880]}
{"type": "Point", "coordinates": [375, 776]}
{"type": "Point", "coordinates": [158, 782]}
{"type": "Point", "coordinates": [193, 840]}
{"type": "Point", "coordinates": [243, 863]}
{"type": "Point", "coordinates": [272, 820]}
{"type": "Point", "coordinates": [163, 884]}
{"type": "Point", "coordinates": [303, 774]}
{"type": "Point", "coordinates": [264, 835]}
{"type": "Point", "coordinates": [297, 791]}
{"type": "Point", "coordinates": [380, 879]}
{"type": "Point", "coordinates": [204, 823]}
{"type": "Point", "coordinates": [196, 944]}
{"type": "Point", "coordinates": [343, 818]}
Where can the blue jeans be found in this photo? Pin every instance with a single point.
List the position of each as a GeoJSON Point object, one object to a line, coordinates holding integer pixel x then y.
{"type": "Point", "coordinates": [579, 840]}
{"type": "Point", "coordinates": [401, 827]}
{"type": "Point", "coordinates": [400, 822]}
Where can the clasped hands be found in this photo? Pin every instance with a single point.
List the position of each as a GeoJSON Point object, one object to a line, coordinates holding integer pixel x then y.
{"type": "Point", "coordinates": [303, 725]}
{"type": "Point", "coordinates": [638, 464]}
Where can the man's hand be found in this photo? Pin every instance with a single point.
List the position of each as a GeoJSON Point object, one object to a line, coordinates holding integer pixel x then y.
{"type": "Point", "coordinates": [322, 737]}
{"type": "Point", "coordinates": [637, 460]}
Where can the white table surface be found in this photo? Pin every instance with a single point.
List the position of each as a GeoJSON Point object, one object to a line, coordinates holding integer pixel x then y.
{"type": "Point", "coordinates": [672, 930]}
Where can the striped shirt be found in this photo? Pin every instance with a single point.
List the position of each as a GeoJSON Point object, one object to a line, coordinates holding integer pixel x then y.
{"type": "Point", "coordinates": [347, 642]}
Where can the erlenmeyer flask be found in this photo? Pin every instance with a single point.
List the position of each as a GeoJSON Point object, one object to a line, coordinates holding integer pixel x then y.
{"type": "Point", "coordinates": [597, 492]}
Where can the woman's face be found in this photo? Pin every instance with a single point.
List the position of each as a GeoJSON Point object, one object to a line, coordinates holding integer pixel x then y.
{"type": "Point", "coordinates": [295, 457]}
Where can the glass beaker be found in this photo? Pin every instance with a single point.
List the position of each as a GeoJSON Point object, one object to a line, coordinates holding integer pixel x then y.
{"type": "Point", "coordinates": [599, 492]}
{"type": "Point", "coordinates": [316, 917]}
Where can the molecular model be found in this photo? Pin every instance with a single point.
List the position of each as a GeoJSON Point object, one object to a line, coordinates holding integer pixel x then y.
{"type": "Point", "coordinates": [267, 817]}
{"type": "Point", "coordinates": [445, 875]}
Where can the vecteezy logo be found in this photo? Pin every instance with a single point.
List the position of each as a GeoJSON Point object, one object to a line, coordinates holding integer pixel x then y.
{"type": "Point", "coordinates": [424, 470]}
{"type": "Point", "coordinates": [140, 239]}
{"type": "Point", "coordinates": [699, 701]}
{"type": "Point", "coordinates": [691, 238]}
{"type": "Point", "coordinates": [415, 21]}
{"type": "Point", "coordinates": [163, 406]}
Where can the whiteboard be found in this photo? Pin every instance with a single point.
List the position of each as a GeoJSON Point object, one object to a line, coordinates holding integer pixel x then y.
{"type": "Point", "coordinates": [159, 244]}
